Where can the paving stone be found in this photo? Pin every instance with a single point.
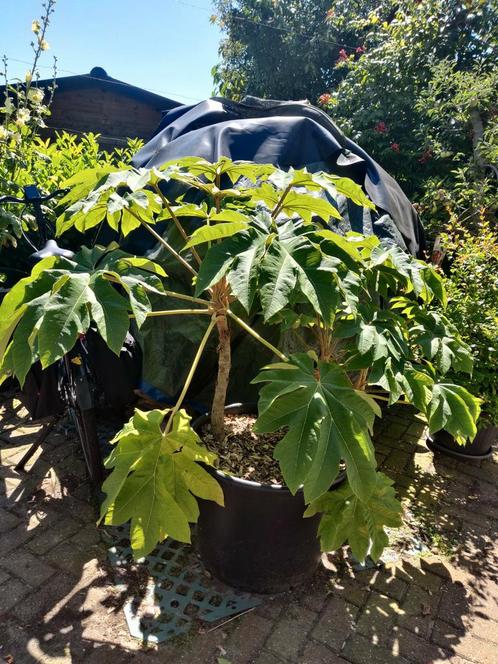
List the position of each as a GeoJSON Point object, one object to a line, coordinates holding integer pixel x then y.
{"type": "Point", "coordinates": [395, 429]}
{"type": "Point", "coordinates": [386, 582]}
{"type": "Point", "coordinates": [13, 644]}
{"type": "Point", "coordinates": [11, 592]}
{"type": "Point", "coordinates": [28, 567]}
{"type": "Point", "coordinates": [421, 576]}
{"type": "Point", "coordinates": [362, 650]}
{"type": "Point", "coordinates": [378, 617]}
{"type": "Point", "coordinates": [248, 638]}
{"type": "Point", "coordinates": [412, 647]}
{"type": "Point", "coordinates": [41, 601]}
{"type": "Point", "coordinates": [268, 658]}
{"type": "Point", "coordinates": [272, 607]}
{"type": "Point", "coordinates": [46, 537]}
{"type": "Point", "coordinates": [316, 653]}
{"type": "Point", "coordinates": [87, 536]}
{"type": "Point", "coordinates": [419, 611]}
{"type": "Point", "coordinates": [336, 623]}
{"type": "Point", "coordinates": [485, 601]}
{"type": "Point", "coordinates": [397, 460]}
{"type": "Point", "coordinates": [3, 576]}
{"type": "Point", "coordinates": [353, 589]}
{"type": "Point", "coordinates": [291, 632]}
{"type": "Point", "coordinates": [455, 603]}
{"type": "Point", "coordinates": [8, 521]}
{"type": "Point", "coordinates": [14, 539]}
{"type": "Point", "coordinates": [69, 557]}
{"type": "Point", "coordinates": [464, 643]}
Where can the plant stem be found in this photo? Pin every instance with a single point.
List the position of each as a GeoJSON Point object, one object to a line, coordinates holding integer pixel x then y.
{"type": "Point", "coordinates": [177, 223]}
{"type": "Point", "coordinates": [165, 244]}
{"type": "Point", "coordinates": [176, 312]}
{"type": "Point", "coordinates": [187, 298]}
{"type": "Point", "coordinates": [379, 396]}
{"type": "Point", "coordinates": [258, 336]}
{"type": "Point", "coordinates": [190, 374]}
{"type": "Point", "coordinates": [278, 207]}
{"type": "Point", "coordinates": [361, 380]}
{"type": "Point", "coordinates": [224, 365]}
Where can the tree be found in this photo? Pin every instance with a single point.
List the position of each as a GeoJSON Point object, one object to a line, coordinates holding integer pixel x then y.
{"type": "Point", "coordinates": [414, 83]}
{"type": "Point", "coordinates": [281, 50]}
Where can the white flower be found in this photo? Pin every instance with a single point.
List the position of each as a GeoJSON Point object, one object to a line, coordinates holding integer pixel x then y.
{"type": "Point", "coordinates": [35, 95]}
{"type": "Point", "coordinates": [44, 45]}
{"type": "Point", "coordinates": [10, 107]}
{"type": "Point", "coordinates": [23, 116]}
{"type": "Point", "coordinates": [3, 133]}
{"type": "Point", "coordinates": [29, 76]}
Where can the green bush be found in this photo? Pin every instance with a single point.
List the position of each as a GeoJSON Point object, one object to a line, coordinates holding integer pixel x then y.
{"type": "Point", "coordinates": [473, 307]}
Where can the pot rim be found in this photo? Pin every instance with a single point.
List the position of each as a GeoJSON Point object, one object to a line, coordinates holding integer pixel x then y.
{"type": "Point", "coordinates": [257, 486]}
{"type": "Point", "coordinates": [434, 446]}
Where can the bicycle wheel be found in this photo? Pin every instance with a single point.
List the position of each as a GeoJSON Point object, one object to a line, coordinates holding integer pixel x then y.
{"type": "Point", "coordinates": [86, 426]}
{"type": "Point", "coordinates": [79, 399]}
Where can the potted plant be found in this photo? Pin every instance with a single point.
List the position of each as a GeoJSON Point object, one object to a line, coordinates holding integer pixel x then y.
{"type": "Point", "coordinates": [261, 247]}
{"type": "Point", "coordinates": [472, 287]}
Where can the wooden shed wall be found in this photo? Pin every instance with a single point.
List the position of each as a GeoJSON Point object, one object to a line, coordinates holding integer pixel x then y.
{"type": "Point", "coordinates": [114, 115]}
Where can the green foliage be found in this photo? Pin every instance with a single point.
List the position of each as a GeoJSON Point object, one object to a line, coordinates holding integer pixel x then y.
{"type": "Point", "coordinates": [263, 52]}
{"type": "Point", "coordinates": [61, 298]}
{"type": "Point", "coordinates": [155, 477]}
{"type": "Point", "coordinates": [473, 307]}
{"type": "Point", "coordinates": [328, 420]}
{"type": "Point", "coordinates": [346, 518]}
{"type": "Point", "coordinates": [368, 309]}
{"type": "Point", "coordinates": [415, 83]}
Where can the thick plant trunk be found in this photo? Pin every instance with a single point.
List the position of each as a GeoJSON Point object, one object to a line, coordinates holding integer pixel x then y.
{"type": "Point", "coordinates": [477, 134]}
{"type": "Point", "coordinates": [220, 392]}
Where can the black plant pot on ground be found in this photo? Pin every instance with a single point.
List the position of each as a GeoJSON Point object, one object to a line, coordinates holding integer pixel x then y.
{"type": "Point", "coordinates": [259, 541]}
{"type": "Point", "coordinates": [479, 448]}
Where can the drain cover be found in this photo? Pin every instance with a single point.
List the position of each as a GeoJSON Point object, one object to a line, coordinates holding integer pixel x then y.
{"type": "Point", "coordinates": [177, 590]}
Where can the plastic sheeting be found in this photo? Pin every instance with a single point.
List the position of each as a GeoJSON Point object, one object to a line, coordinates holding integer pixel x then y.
{"type": "Point", "coordinates": [284, 133]}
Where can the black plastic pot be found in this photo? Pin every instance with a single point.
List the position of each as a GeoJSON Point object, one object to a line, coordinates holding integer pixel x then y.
{"type": "Point", "coordinates": [259, 541]}
{"type": "Point", "coordinates": [479, 448]}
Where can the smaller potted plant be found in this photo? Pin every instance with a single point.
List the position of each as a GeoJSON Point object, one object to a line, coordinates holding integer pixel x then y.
{"type": "Point", "coordinates": [366, 327]}
{"type": "Point", "coordinates": [472, 288]}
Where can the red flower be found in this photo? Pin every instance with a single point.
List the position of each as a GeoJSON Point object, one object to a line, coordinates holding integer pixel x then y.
{"type": "Point", "coordinates": [342, 55]}
{"type": "Point", "coordinates": [360, 50]}
{"type": "Point", "coordinates": [395, 147]}
{"type": "Point", "coordinates": [324, 99]}
{"type": "Point", "coordinates": [329, 15]}
{"type": "Point", "coordinates": [425, 156]}
{"type": "Point", "coordinates": [381, 128]}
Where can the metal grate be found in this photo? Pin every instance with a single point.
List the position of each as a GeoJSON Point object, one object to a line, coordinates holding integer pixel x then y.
{"type": "Point", "coordinates": [178, 591]}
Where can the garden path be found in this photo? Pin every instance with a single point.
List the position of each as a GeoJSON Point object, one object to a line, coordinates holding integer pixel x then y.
{"type": "Point", "coordinates": [435, 599]}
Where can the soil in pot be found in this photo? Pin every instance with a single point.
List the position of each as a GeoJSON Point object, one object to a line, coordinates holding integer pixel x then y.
{"type": "Point", "coordinates": [259, 541]}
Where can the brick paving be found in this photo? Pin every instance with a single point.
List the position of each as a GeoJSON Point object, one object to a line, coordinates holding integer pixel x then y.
{"type": "Point", "coordinates": [435, 598]}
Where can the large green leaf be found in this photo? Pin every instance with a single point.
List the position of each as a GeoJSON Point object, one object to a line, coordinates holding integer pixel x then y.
{"type": "Point", "coordinates": [155, 478]}
{"type": "Point", "coordinates": [219, 257]}
{"type": "Point", "coordinates": [42, 316]}
{"type": "Point", "coordinates": [348, 519]}
{"type": "Point", "coordinates": [454, 409]}
{"type": "Point", "coordinates": [327, 420]}
{"type": "Point", "coordinates": [293, 263]}
{"type": "Point", "coordinates": [216, 232]}
{"type": "Point", "coordinates": [66, 315]}
{"type": "Point", "coordinates": [243, 275]}
{"type": "Point", "coordinates": [345, 186]}
{"type": "Point", "coordinates": [306, 206]}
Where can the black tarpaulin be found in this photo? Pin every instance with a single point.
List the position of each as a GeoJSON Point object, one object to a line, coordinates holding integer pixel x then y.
{"type": "Point", "coordinates": [287, 133]}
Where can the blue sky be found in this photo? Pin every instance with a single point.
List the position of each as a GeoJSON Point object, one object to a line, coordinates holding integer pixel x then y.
{"type": "Point", "coordinates": [167, 46]}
